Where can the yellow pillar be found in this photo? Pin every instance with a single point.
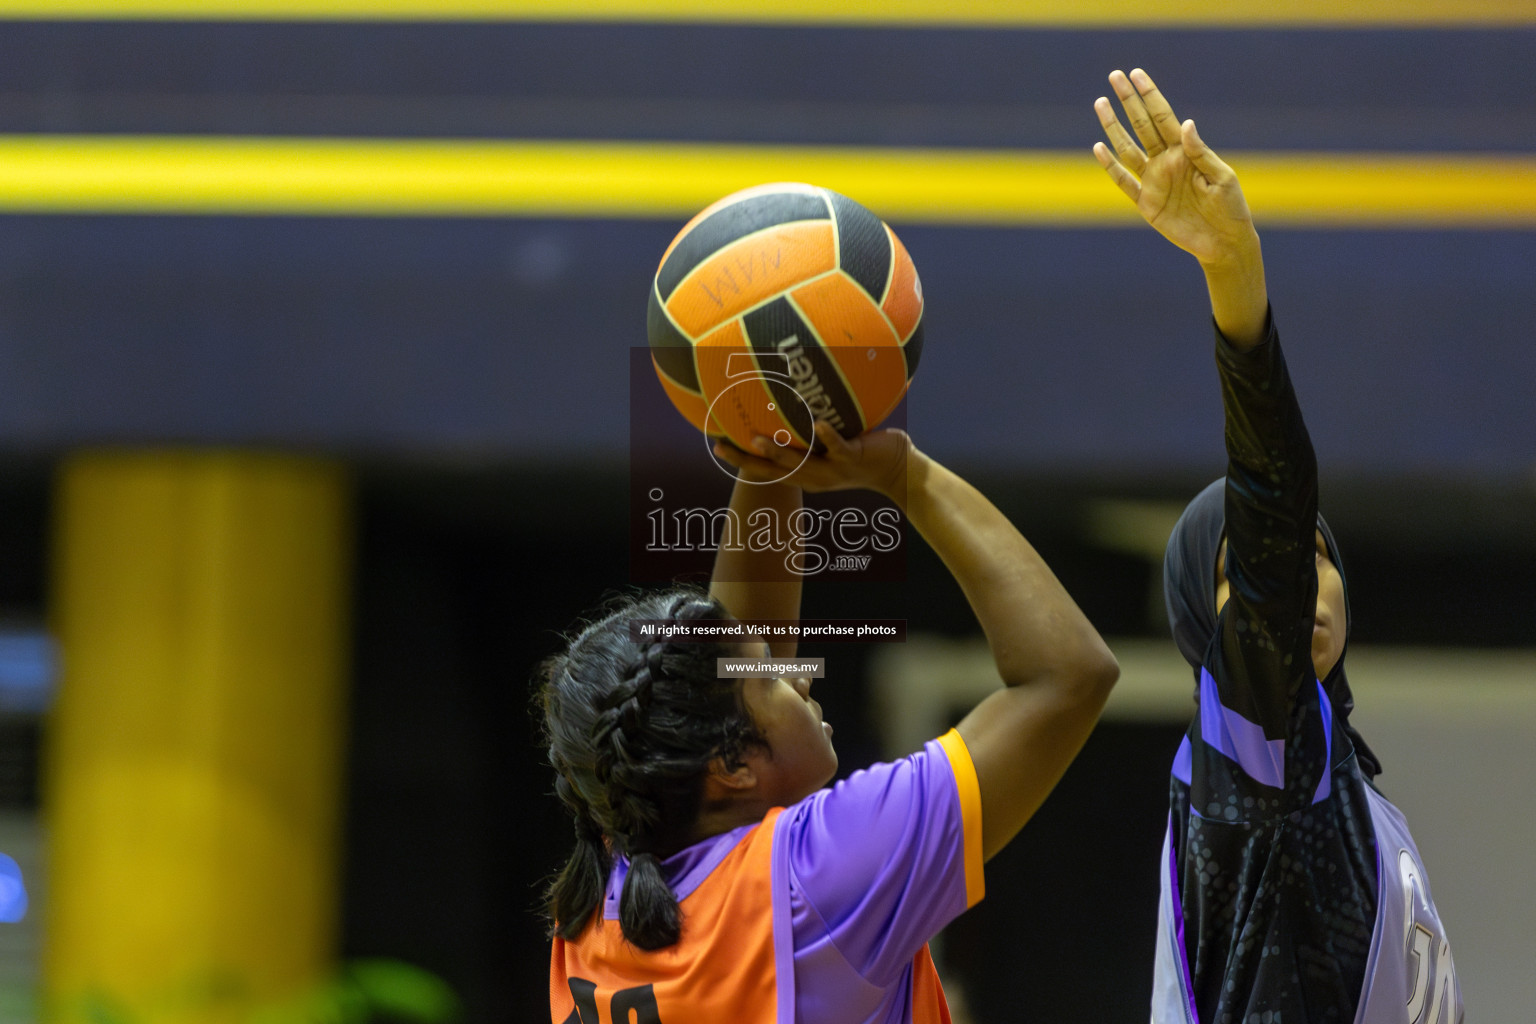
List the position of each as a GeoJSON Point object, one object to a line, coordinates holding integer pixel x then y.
{"type": "Point", "coordinates": [191, 795]}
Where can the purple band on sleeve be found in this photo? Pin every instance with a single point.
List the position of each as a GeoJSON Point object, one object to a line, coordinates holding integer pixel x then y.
{"type": "Point", "coordinates": [1325, 784]}
{"type": "Point", "coordinates": [1238, 738]}
{"type": "Point", "coordinates": [1181, 762]}
{"type": "Point", "coordinates": [1178, 918]}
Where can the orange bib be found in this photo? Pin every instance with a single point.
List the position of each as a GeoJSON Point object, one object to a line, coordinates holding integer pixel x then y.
{"type": "Point", "coordinates": [721, 969]}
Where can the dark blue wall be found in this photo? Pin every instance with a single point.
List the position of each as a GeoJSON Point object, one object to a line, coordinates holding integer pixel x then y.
{"type": "Point", "coordinates": [1412, 350]}
{"type": "Point", "coordinates": [507, 338]}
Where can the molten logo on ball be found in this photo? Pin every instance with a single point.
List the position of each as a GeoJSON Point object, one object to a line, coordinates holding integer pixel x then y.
{"type": "Point", "coordinates": [808, 385]}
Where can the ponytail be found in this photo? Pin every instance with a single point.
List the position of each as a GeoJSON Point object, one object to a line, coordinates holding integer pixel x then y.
{"type": "Point", "coordinates": [648, 910]}
{"type": "Point", "coordinates": [632, 729]}
{"type": "Point", "coordinates": [578, 889]}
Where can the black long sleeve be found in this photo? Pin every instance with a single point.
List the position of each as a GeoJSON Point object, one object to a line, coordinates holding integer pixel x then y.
{"type": "Point", "coordinates": [1272, 830]}
{"type": "Point", "coordinates": [1263, 652]}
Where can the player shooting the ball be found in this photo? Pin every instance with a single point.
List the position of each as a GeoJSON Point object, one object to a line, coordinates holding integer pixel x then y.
{"type": "Point", "coordinates": [1292, 891]}
{"type": "Point", "coordinates": [716, 877]}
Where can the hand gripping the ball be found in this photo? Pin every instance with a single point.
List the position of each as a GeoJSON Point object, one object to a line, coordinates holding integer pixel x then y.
{"type": "Point", "coordinates": [875, 461]}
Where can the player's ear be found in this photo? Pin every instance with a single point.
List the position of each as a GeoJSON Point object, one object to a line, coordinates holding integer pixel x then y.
{"type": "Point", "coordinates": [722, 781]}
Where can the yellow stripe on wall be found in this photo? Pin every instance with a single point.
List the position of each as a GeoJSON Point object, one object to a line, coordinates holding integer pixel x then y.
{"type": "Point", "coordinates": [477, 178]}
{"type": "Point", "coordinates": [810, 12]}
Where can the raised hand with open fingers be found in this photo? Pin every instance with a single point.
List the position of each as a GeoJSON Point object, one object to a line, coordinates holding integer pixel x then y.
{"type": "Point", "coordinates": [1191, 197]}
{"type": "Point", "coordinates": [1179, 185]}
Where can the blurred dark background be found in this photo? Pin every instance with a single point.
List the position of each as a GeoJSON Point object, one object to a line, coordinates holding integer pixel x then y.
{"type": "Point", "coordinates": [466, 581]}
{"type": "Point", "coordinates": [470, 374]}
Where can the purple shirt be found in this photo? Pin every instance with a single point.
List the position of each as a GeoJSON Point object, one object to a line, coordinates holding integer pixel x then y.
{"type": "Point", "coordinates": [869, 870]}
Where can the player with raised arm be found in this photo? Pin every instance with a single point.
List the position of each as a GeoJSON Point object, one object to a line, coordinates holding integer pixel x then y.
{"type": "Point", "coordinates": [716, 877]}
{"type": "Point", "coordinates": [1292, 891]}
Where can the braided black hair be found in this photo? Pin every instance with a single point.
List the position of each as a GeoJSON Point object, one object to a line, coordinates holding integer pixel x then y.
{"type": "Point", "coordinates": [632, 728]}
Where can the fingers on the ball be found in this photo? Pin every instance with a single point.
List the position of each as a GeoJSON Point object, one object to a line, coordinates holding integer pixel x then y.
{"type": "Point", "coordinates": [834, 442]}
{"type": "Point", "coordinates": [752, 457]}
{"type": "Point", "coordinates": [769, 451]}
{"type": "Point", "coordinates": [737, 458]}
{"type": "Point", "coordinates": [753, 464]}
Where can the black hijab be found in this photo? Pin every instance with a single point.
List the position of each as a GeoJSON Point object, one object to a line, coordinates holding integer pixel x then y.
{"type": "Point", "coordinates": [1189, 588]}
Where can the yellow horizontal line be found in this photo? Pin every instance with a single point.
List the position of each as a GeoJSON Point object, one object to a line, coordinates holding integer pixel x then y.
{"type": "Point", "coordinates": [478, 178]}
{"type": "Point", "coordinates": [1114, 13]}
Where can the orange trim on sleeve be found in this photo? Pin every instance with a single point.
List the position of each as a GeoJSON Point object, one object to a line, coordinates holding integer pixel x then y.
{"type": "Point", "coordinates": [970, 813]}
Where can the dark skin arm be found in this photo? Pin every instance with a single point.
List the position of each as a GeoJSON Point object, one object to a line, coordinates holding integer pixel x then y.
{"type": "Point", "coordinates": [759, 584]}
{"type": "Point", "coordinates": [1056, 669]}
